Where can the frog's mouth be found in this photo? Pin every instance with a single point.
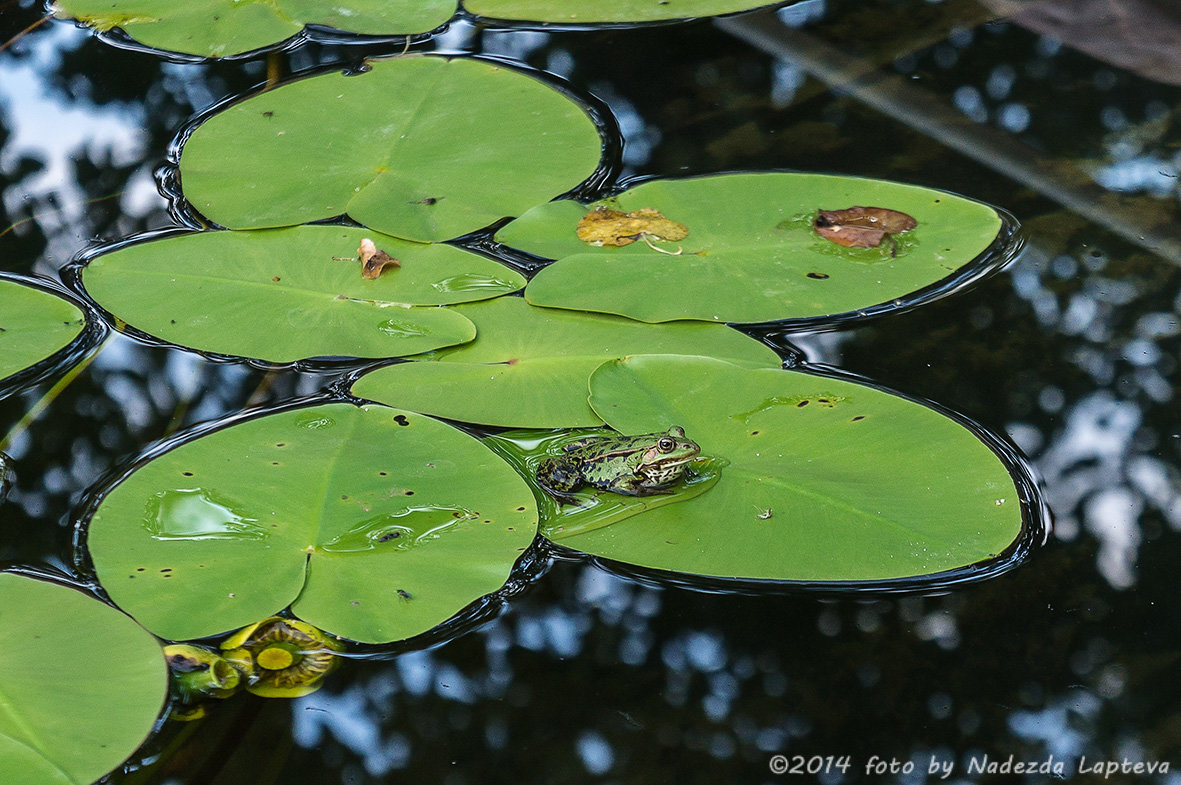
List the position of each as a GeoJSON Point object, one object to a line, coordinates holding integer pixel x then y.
{"type": "Point", "coordinates": [666, 472]}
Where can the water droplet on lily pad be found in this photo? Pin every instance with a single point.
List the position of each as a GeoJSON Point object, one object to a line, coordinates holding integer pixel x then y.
{"type": "Point", "coordinates": [196, 515]}
{"type": "Point", "coordinates": [315, 421]}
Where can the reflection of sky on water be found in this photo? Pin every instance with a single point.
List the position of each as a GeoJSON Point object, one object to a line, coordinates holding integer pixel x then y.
{"type": "Point", "coordinates": [55, 133]}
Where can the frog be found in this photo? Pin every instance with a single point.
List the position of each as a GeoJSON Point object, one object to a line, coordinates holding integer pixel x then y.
{"type": "Point", "coordinates": [629, 465]}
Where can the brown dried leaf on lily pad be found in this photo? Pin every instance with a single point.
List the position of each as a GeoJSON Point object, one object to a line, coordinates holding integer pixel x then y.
{"type": "Point", "coordinates": [862, 227]}
{"type": "Point", "coordinates": [604, 226]}
{"type": "Point", "coordinates": [374, 261]}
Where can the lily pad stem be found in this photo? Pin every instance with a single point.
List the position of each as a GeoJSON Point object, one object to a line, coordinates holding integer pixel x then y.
{"type": "Point", "coordinates": [49, 397]}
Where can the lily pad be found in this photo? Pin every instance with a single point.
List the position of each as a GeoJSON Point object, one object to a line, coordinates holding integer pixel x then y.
{"type": "Point", "coordinates": [420, 147]}
{"type": "Point", "coordinates": [372, 523]}
{"type": "Point", "coordinates": [577, 12]}
{"type": "Point", "coordinates": [529, 367]}
{"type": "Point", "coordinates": [287, 294]}
{"type": "Point", "coordinates": [752, 254]}
{"type": "Point", "coordinates": [220, 28]}
{"type": "Point", "coordinates": [82, 684]}
{"type": "Point", "coordinates": [827, 479]}
{"type": "Point", "coordinates": [34, 324]}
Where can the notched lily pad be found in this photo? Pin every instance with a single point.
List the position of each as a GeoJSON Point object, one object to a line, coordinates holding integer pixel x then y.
{"type": "Point", "coordinates": [753, 255]}
{"type": "Point", "coordinates": [827, 479]}
{"type": "Point", "coordinates": [604, 226]}
{"type": "Point", "coordinates": [82, 684]}
{"type": "Point", "coordinates": [372, 523]}
{"type": "Point", "coordinates": [288, 294]}
{"type": "Point", "coordinates": [433, 155]}
{"type": "Point", "coordinates": [221, 28]}
{"type": "Point", "coordinates": [528, 367]}
{"type": "Point", "coordinates": [862, 227]}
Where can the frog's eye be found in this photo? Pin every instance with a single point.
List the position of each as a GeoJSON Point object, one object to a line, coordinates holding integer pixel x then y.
{"type": "Point", "coordinates": [666, 444]}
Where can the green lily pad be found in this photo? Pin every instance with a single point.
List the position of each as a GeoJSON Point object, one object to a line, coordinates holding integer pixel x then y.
{"type": "Point", "coordinates": [529, 367]}
{"type": "Point", "coordinates": [424, 148]}
{"type": "Point", "coordinates": [82, 684]}
{"type": "Point", "coordinates": [371, 523]}
{"type": "Point", "coordinates": [827, 480]}
{"type": "Point", "coordinates": [752, 254]}
{"type": "Point", "coordinates": [574, 12]}
{"type": "Point", "coordinates": [220, 28]}
{"type": "Point", "coordinates": [287, 294]}
{"type": "Point", "coordinates": [33, 325]}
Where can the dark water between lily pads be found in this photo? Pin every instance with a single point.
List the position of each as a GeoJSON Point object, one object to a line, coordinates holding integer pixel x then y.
{"type": "Point", "coordinates": [588, 675]}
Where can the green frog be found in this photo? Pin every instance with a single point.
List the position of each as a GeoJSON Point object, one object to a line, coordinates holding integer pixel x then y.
{"type": "Point", "coordinates": [630, 465]}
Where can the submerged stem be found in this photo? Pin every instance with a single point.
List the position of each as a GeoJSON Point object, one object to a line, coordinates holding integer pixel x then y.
{"type": "Point", "coordinates": [49, 397]}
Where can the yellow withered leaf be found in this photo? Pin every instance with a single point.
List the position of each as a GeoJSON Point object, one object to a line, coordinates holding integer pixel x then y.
{"type": "Point", "coordinates": [604, 226]}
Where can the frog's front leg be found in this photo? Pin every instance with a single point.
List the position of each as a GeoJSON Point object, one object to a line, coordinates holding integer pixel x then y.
{"type": "Point", "coordinates": [633, 486]}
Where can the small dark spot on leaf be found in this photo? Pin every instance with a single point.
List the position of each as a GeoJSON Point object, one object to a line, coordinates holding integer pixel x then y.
{"type": "Point", "coordinates": [803, 403]}
{"type": "Point", "coordinates": [754, 433]}
{"type": "Point", "coordinates": [274, 463]}
{"type": "Point", "coordinates": [818, 276]}
{"type": "Point", "coordinates": [520, 509]}
{"type": "Point", "coordinates": [858, 417]}
{"type": "Point", "coordinates": [264, 114]}
{"type": "Point", "coordinates": [408, 493]}
{"type": "Point", "coordinates": [172, 320]}
{"type": "Point", "coordinates": [140, 569]}
{"type": "Point", "coordinates": [389, 536]}
{"type": "Point", "coordinates": [281, 444]}
{"type": "Point", "coordinates": [275, 278]}
{"type": "Point", "coordinates": [344, 497]}
{"type": "Point", "coordinates": [165, 569]}
{"type": "Point", "coordinates": [429, 200]}
{"type": "Point", "coordinates": [187, 474]}
{"type": "Point", "coordinates": [383, 474]}
{"type": "Point", "coordinates": [401, 420]}
{"type": "Point", "coordinates": [822, 400]}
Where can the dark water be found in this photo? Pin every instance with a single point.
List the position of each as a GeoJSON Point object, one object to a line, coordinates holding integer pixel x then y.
{"type": "Point", "coordinates": [591, 677]}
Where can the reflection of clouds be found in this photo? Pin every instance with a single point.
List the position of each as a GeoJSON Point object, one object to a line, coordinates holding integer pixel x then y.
{"type": "Point", "coordinates": [595, 752]}
{"type": "Point", "coordinates": [1065, 726]}
{"type": "Point", "coordinates": [1099, 469]}
{"type": "Point", "coordinates": [1142, 173]}
{"type": "Point", "coordinates": [54, 132]}
{"type": "Point", "coordinates": [353, 718]}
{"type": "Point", "coordinates": [1086, 470]}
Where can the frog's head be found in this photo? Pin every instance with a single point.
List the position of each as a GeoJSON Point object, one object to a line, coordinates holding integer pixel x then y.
{"type": "Point", "coordinates": [664, 460]}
